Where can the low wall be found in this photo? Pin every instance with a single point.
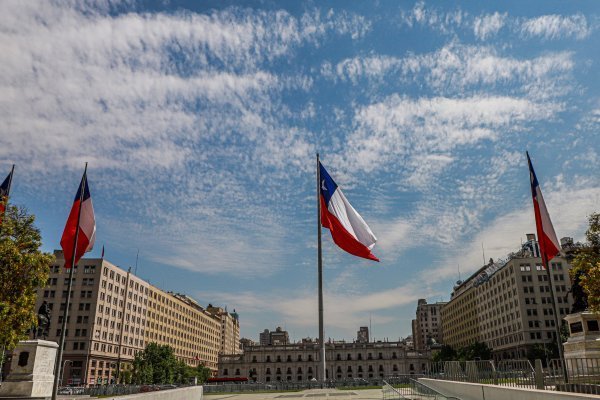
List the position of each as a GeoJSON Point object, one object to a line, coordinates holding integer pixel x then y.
{"type": "Point", "coordinates": [477, 391]}
{"type": "Point", "coordinates": [191, 393]}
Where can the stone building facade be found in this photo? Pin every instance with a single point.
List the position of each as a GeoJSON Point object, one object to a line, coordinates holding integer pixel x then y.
{"type": "Point", "coordinates": [230, 329]}
{"type": "Point", "coordinates": [301, 361]}
{"type": "Point", "coordinates": [114, 314]}
{"type": "Point", "coordinates": [427, 326]}
{"type": "Point", "coordinates": [508, 304]}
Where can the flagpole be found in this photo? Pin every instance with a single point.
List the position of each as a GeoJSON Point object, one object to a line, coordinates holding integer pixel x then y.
{"type": "Point", "coordinates": [57, 366]}
{"type": "Point", "coordinates": [544, 256]}
{"type": "Point", "coordinates": [320, 267]}
{"type": "Point", "coordinates": [561, 354]}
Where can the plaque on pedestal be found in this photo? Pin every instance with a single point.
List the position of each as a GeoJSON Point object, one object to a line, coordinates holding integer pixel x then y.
{"type": "Point", "coordinates": [31, 371]}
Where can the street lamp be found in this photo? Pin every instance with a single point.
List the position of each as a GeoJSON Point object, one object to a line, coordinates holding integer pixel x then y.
{"type": "Point", "coordinates": [63, 371]}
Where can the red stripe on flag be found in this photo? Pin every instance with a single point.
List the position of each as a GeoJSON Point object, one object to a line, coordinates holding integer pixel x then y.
{"type": "Point", "coordinates": [342, 237]}
{"type": "Point", "coordinates": [2, 209]}
{"type": "Point", "coordinates": [68, 237]}
{"type": "Point", "coordinates": [547, 247]}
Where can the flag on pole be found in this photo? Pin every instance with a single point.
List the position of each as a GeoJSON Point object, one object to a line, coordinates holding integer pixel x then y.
{"type": "Point", "coordinates": [87, 225]}
{"type": "Point", "coordinates": [348, 230]}
{"type": "Point", "coordinates": [102, 251]}
{"type": "Point", "coordinates": [4, 193]}
{"type": "Point", "coordinates": [549, 245]}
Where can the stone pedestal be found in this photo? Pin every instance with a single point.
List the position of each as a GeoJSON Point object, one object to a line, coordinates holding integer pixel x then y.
{"type": "Point", "coordinates": [31, 370]}
{"type": "Point", "coordinates": [584, 338]}
{"type": "Point", "coordinates": [582, 350]}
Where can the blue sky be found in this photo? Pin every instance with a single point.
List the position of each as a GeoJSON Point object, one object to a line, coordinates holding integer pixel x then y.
{"type": "Point", "coordinates": [200, 122]}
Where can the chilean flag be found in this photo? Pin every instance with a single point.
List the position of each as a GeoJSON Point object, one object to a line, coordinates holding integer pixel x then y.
{"type": "Point", "coordinates": [549, 245]}
{"type": "Point", "coordinates": [87, 225]}
{"type": "Point", "coordinates": [348, 230]}
{"type": "Point", "coordinates": [4, 192]}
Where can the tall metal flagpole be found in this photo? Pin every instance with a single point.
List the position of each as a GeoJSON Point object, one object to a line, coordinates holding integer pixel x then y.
{"type": "Point", "coordinates": [561, 354]}
{"type": "Point", "coordinates": [61, 345]}
{"type": "Point", "coordinates": [320, 264]}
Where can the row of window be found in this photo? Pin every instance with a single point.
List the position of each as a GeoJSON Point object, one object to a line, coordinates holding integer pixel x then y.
{"type": "Point", "coordinates": [87, 269]}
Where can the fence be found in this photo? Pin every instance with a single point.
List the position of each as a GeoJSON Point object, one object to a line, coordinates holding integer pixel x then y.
{"type": "Point", "coordinates": [278, 386]}
{"type": "Point", "coordinates": [517, 373]}
{"type": "Point", "coordinates": [412, 390]}
{"type": "Point", "coordinates": [583, 374]}
{"type": "Point", "coordinates": [114, 390]}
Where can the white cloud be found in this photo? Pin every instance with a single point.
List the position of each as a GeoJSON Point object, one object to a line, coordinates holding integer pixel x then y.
{"type": "Point", "coordinates": [431, 17]}
{"type": "Point", "coordinates": [556, 27]}
{"type": "Point", "coordinates": [455, 68]}
{"type": "Point", "coordinates": [488, 25]}
{"type": "Point", "coordinates": [399, 127]}
{"type": "Point", "coordinates": [344, 311]}
{"type": "Point", "coordinates": [130, 87]}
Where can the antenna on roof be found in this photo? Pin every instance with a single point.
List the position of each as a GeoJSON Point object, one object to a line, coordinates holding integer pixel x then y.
{"type": "Point", "coordinates": [459, 272]}
{"type": "Point", "coordinates": [483, 252]}
{"type": "Point", "coordinates": [136, 261]}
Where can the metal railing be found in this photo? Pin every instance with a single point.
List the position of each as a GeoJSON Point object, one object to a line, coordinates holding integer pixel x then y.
{"type": "Point", "coordinates": [516, 373]}
{"type": "Point", "coordinates": [513, 373]}
{"type": "Point", "coordinates": [278, 386]}
{"type": "Point", "coordinates": [115, 390]}
{"type": "Point", "coordinates": [583, 374]}
{"type": "Point", "coordinates": [413, 390]}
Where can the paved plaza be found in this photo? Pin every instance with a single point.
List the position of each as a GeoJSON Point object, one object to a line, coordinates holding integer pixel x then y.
{"type": "Point", "coordinates": [316, 394]}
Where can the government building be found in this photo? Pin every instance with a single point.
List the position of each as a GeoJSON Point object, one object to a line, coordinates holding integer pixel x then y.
{"type": "Point", "coordinates": [507, 304]}
{"type": "Point", "coordinates": [301, 361]}
{"type": "Point", "coordinates": [114, 314]}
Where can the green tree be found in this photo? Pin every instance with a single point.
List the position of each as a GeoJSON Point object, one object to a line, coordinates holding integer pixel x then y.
{"type": "Point", "coordinates": [157, 364]}
{"type": "Point", "coordinates": [23, 269]}
{"type": "Point", "coordinates": [446, 353]}
{"type": "Point", "coordinates": [202, 373]}
{"type": "Point", "coordinates": [126, 377]}
{"type": "Point", "coordinates": [476, 350]}
{"type": "Point", "coordinates": [586, 264]}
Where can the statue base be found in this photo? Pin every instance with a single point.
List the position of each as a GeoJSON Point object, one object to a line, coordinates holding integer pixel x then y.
{"type": "Point", "coordinates": [31, 371]}
{"type": "Point", "coordinates": [584, 338]}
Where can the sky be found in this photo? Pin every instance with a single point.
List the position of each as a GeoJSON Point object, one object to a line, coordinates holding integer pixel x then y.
{"type": "Point", "coordinates": [201, 121]}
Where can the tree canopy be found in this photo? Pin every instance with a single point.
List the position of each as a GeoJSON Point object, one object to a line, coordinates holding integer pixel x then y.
{"type": "Point", "coordinates": [586, 264]}
{"type": "Point", "coordinates": [23, 269]}
{"type": "Point", "coordinates": [474, 351]}
{"type": "Point", "coordinates": [157, 364]}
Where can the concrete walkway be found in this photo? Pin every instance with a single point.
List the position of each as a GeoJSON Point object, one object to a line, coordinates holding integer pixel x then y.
{"type": "Point", "coordinates": [314, 394]}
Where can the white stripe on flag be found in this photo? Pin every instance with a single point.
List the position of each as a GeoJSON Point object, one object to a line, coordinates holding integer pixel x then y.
{"type": "Point", "coordinates": [546, 223]}
{"type": "Point", "coordinates": [351, 219]}
{"type": "Point", "coordinates": [87, 223]}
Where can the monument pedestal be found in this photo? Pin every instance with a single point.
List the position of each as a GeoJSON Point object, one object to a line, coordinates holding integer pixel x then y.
{"type": "Point", "coordinates": [31, 370]}
{"type": "Point", "coordinates": [584, 338]}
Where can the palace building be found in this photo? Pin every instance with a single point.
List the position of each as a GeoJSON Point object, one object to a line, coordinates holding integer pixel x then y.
{"type": "Point", "coordinates": [301, 361]}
